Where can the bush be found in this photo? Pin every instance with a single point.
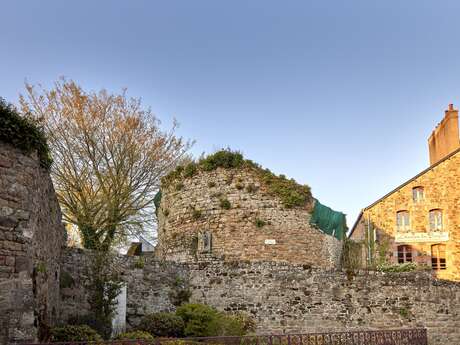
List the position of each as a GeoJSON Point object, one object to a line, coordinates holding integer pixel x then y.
{"type": "Point", "coordinates": [260, 223]}
{"type": "Point", "coordinates": [74, 333]}
{"type": "Point", "coordinates": [102, 326]}
{"type": "Point", "coordinates": [291, 193]}
{"type": "Point", "coordinates": [23, 133]}
{"type": "Point", "coordinates": [135, 335]}
{"type": "Point", "coordinates": [200, 320]}
{"type": "Point", "coordinates": [225, 204]}
{"type": "Point", "coordinates": [163, 324]}
{"type": "Point", "coordinates": [222, 159]}
{"type": "Point", "coordinates": [204, 321]}
{"type": "Point", "coordinates": [247, 322]}
{"type": "Point", "coordinates": [190, 170]}
{"type": "Point", "coordinates": [405, 267]}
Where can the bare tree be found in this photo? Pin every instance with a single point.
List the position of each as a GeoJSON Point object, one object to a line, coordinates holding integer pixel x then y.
{"type": "Point", "coordinates": [109, 156]}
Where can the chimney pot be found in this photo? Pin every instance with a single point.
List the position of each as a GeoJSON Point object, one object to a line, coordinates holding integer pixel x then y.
{"type": "Point", "coordinates": [451, 107]}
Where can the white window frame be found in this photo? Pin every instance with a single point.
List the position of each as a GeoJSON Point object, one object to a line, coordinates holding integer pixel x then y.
{"type": "Point", "coordinates": [435, 219]}
{"type": "Point", "coordinates": [418, 194]}
{"type": "Point", "coordinates": [402, 221]}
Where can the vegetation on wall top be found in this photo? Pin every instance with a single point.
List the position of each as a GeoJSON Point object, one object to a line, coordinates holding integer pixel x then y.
{"type": "Point", "coordinates": [23, 133]}
{"type": "Point", "coordinates": [291, 193]}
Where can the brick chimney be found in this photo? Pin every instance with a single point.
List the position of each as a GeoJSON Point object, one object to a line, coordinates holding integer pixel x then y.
{"type": "Point", "coordinates": [445, 138]}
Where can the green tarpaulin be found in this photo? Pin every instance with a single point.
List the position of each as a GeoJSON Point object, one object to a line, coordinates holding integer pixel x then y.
{"type": "Point", "coordinates": [329, 221]}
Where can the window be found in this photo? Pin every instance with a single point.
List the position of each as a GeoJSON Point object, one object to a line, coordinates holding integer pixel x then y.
{"type": "Point", "coordinates": [402, 221]}
{"type": "Point", "coordinates": [417, 194]}
{"type": "Point", "coordinates": [206, 242]}
{"type": "Point", "coordinates": [438, 257]}
{"type": "Point", "coordinates": [404, 254]}
{"type": "Point", "coordinates": [435, 220]}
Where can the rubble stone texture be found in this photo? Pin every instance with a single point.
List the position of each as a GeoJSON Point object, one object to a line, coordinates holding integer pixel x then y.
{"type": "Point", "coordinates": [440, 192]}
{"type": "Point", "coordinates": [256, 226]}
{"type": "Point", "coordinates": [31, 238]}
{"type": "Point", "coordinates": [284, 297]}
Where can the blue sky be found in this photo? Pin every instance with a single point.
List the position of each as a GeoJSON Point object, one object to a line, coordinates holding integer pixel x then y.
{"type": "Point", "coordinates": [341, 95]}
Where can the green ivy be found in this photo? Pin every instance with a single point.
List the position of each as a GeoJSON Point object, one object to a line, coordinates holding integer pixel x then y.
{"type": "Point", "coordinates": [23, 133]}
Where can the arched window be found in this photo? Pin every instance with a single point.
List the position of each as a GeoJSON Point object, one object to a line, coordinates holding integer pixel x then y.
{"type": "Point", "coordinates": [435, 220]}
{"type": "Point", "coordinates": [404, 254]}
{"type": "Point", "coordinates": [402, 221]}
{"type": "Point", "coordinates": [417, 194]}
{"type": "Point", "coordinates": [438, 257]}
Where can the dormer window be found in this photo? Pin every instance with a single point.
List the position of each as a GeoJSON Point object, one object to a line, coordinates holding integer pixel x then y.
{"type": "Point", "coordinates": [436, 220]}
{"type": "Point", "coordinates": [402, 221]}
{"type": "Point", "coordinates": [417, 194]}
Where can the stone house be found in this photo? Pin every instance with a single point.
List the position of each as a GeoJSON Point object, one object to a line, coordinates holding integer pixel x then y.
{"type": "Point", "coordinates": [419, 221]}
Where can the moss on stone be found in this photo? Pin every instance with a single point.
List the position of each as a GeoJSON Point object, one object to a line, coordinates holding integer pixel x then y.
{"type": "Point", "coordinates": [291, 193]}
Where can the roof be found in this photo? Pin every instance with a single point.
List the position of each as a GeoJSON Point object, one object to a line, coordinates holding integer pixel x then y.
{"type": "Point", "coordinates": [453, 153]}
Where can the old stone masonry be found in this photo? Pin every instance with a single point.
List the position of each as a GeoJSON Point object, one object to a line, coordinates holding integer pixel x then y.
{"type": "Point", "coordinates": [226, 239]}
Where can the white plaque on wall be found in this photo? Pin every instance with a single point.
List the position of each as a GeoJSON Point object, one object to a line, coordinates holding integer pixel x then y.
{"type": "Point", "coordinates": [435, 236]}
{"type": "Point", "coordinates": [270, 241]}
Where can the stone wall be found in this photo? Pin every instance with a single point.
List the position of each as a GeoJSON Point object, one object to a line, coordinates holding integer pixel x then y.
{"type": "Point", "coordinates": [152, 286]}
{"type": "Point", "coordinates": [285, 298]}
{"type": "Point", "coordinates": [256, 227]}
{"type": "Point", "coordinates": [292, 298]}
{"type": "Point", "coordinates": [31, 238]}
{"type": "Point", "coordinates": [441, 191]}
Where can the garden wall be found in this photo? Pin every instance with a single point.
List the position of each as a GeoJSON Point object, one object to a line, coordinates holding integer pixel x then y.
{"type": "Point", "coordinates": [151, 285]}
{"type": "Point", "coordinates": [284, 298]}
{"type": "Point", "coordinates": [31, 239]}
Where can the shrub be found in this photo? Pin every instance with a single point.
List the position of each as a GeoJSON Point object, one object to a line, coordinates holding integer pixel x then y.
{"type": "Point", "coordinates": [225, 204]}
{"type": "Point", "coordinates": [183, 342]}
{"type": "Point", "coordinates": [103, 326]}
{"type": "Point", "coordinates": [163, 324]}
{"type": "Point", "coordinates": [23, 133]}
{"type": "Point", "coordinates": [179, 186]}
{"type": "Point", "coordinates": [74, 333]}
{"type": "Point", "coordinates": [405, 267]}
{"type": "Point", "coordinates": [247, 322]}
{"type": "Point", "coordinates": [222, 159]}
{"type": "Point", "coordinates": [190, 170]}
{"type": "Point", "coordinates": [289, 191]}
{"type": "Point", "coordinates": [204, 321]}
{"type": "Point", "coordinates": [239, 186]}
{"type": "Point", "coordinates": [260, 223]}
{"type": "Point", "coordinates": [211, 184]}
{"type": "Point", "coordinates": [200, 320]}
{"type": "Point", "coordinates": [135, 335]}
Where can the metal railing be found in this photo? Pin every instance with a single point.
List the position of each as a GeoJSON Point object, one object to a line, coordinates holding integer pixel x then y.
{"type": "Point", "coordinates": [416, 336]}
